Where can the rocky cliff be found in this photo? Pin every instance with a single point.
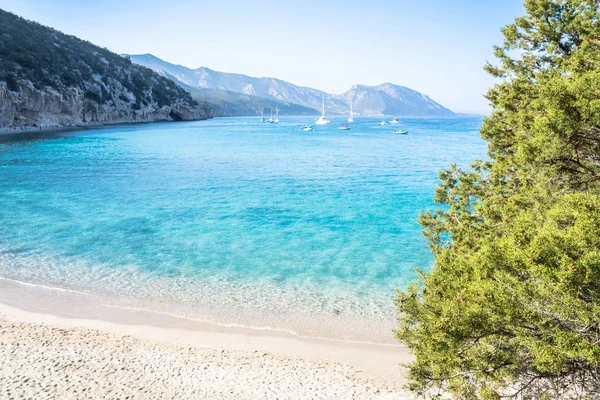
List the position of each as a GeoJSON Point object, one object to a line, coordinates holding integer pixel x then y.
{"type": "Point", "coordinates": [49, 108]}
{"type": "Point", "coordinates": [49, 79]}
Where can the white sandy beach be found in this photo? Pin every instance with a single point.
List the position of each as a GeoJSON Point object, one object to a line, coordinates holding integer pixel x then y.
{"type": "Point", "coordinates": [57, 344]}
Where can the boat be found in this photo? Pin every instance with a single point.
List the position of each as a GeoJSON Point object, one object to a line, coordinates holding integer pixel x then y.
{"type": "Point", "coordinates": [351, 117]}
{"type": "Point", "coordinates": [382, 123]}
{"type": "Point", "coordinates": [271, 120]}
{"type": "Point", "coordinates": [322, 120]}
{"type": "Point", "coordinates": [276, 115]}
{"type": "Point", "coordinates": [400, 132]}
{"type": "Point", "coordinates": [307, 128]}
{"type": "Point", "coordinates": [395, 121]}
{"type": "Point", "coordinates": [262, 114]}
{"type": "Point", "coordinates": [344, 128]}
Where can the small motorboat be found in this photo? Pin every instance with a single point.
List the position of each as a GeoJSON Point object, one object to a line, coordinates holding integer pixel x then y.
{"type": "Point", "coordinates": [400, 132]}
{"type": "Point", "coordinates": [307, 128]}
{"type": "Point", "coordinates": [395, 121]}
{"type": "Point", "coordinates": [383, 123]}
{"type": "Point", "coordinates": [344, 128]}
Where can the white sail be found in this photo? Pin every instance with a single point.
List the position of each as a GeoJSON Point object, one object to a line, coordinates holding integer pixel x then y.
{"type": "Point", "coordinates": [271, 120]}
{"type": "Point", "coordinates": [323, 120]}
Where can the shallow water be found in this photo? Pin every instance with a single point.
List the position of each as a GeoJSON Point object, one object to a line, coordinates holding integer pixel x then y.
{"type": "Point", "coordinates": [254, 224]}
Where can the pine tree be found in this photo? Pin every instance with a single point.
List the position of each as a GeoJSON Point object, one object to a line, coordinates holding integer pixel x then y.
{"type": "Point", "coordinates": [512, 304]}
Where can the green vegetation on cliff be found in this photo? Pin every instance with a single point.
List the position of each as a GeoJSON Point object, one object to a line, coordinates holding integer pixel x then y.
{"type": "Point", "coordinates": [512, 305]}
{"type": "Point", "coordinates": [33, 54]}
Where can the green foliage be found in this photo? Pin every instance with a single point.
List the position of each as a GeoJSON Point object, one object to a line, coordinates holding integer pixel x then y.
{"type": "Point", "coordinates": [49, 58]}
{"type": "Point", "coordinates": [512, 305]}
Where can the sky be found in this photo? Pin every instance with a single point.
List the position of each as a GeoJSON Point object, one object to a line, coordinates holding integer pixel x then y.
{"type": "Point", "coordinates": [437, 47]}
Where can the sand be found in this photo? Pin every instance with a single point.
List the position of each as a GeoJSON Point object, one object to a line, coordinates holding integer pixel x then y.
{"type": "Point", "coordinates": [48, 351]}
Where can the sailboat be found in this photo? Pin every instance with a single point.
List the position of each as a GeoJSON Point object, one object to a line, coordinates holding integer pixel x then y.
{"type": "Point", "coordinates": [276, 115]}
{"type": "Point", "coordinates": [262, 114]}
{"type": "Point", "coordinates": [271, 120]}
{"type": "Point", "coordinates": [351, 117]}
{"type": "Point", "coordinates": [322, 120]}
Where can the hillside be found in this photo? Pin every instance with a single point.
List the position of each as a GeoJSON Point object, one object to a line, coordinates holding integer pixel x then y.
{"type": "Point", "coordinates": [269, 88]}
{"type": "Point", "coordinates": [225, 103]}
{"type": "Point", "coordinates": [385, 99]}
{"type": "Point", "coordinates": [224, 98]}
{"type": "Point", "coordinates": [389, 99]}
{"type": "Point", "coordinates": [50, 79]}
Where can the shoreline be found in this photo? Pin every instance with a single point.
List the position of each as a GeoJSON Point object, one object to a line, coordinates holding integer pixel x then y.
{"type": "Point", "coordinates": [180, 311]}
{"type": "Point", "coordinates": [378, 364]}
{"type": "Point", "coordinates": [6, 131]}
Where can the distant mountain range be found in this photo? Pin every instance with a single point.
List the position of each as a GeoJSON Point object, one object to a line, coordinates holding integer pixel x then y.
{"type": "Point", "coordinates": [384, 99]}
{"type": "Point", "coordinates": [225, 103]}
{"type": "Point", "coordinates": [50, 79]}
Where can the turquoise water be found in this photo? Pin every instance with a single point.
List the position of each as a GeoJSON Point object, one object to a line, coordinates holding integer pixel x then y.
{"type": "Point", "coordinates": [252, 224]}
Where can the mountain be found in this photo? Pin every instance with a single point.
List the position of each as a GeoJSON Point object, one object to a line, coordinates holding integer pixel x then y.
{"type": "Point", "coordinates": [385, 99]}
{"type": "Point", "coordinates": [50, 79]}
{"type": "Point", "coordinates": [388, 99]}
{"type": "Point", "coordinates": [269, 88]}
{"type": "Point", "coordinates": [225, 103]}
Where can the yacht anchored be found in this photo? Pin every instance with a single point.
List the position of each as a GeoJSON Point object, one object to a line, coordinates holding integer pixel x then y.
{"type": "Point", "coordinates": [322, 120]}
{"type": "Point", "coordinates": [271, 120]}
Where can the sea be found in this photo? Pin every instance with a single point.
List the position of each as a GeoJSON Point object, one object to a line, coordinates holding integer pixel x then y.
{"type": "Point", "coordinates": [232, 221]}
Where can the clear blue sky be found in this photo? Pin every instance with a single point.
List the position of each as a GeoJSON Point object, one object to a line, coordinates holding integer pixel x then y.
{"type": "Point", "coordinates": [437, 47]}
